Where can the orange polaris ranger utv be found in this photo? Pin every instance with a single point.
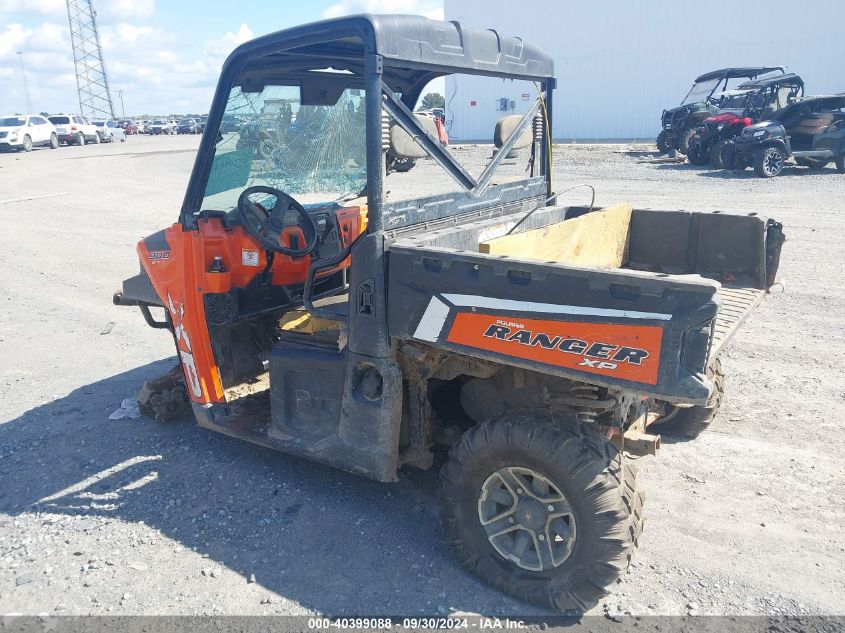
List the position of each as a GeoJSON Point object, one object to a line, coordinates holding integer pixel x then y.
{"type": "Point", "coordinates": [318, 312]}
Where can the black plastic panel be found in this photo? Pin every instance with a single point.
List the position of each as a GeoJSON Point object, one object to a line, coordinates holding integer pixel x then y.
{"type": "Point", "coordinates": [417, 275]}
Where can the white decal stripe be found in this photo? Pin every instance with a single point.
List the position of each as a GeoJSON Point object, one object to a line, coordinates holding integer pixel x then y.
{"type": "Point", "coordinates": [432, 321]}
{"type": "Point", "coordinates": [552, 308]}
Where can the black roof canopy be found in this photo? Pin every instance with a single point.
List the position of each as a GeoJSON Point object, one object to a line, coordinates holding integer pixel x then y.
{"type": "Point", "coordinates": [414, 50]}
{"type": "Point", "coordinates": [749, 72]}
{"type": "Point", "coordinates": [789, 79]}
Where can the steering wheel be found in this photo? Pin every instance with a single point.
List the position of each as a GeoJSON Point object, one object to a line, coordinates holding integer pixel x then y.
{"type": "Point", "coordinates": [267, 226]}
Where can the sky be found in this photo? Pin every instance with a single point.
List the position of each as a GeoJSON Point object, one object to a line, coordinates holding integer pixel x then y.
{"type": "Point", "coordinates": [164, 55]}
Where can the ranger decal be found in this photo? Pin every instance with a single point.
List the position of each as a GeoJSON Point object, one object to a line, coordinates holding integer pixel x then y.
{"type": "Point", "coordinates": [629, 352]}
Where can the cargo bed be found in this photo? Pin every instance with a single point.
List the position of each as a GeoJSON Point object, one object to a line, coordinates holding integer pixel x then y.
{"type": "Point", "coordinates": [641, 299]}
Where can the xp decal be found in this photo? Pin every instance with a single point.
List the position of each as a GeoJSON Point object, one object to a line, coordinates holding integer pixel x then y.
{"type": "Point", "coordinates": [629, 352]}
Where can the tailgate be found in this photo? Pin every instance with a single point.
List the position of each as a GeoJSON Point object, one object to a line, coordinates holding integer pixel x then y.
{"type": "Point", "coordinates": [735, 304]}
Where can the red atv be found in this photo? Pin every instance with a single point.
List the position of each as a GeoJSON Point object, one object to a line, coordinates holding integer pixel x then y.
{"type": "Point", "coordinates": [749, 103]}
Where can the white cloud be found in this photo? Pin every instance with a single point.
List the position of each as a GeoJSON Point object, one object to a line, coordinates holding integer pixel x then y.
{"type": "Point", "coordinates": [11, 38]}
{"type": "Point", "coordinates": [429, 8]}
{"type": "Point", "coordinates": [33, 7]}
{"type": "Point", "coordinates": [221, 47]}
{"type": "Point", "coordinates": [130, 34]}
{"type": "Point", "coordinates": [109, 11]}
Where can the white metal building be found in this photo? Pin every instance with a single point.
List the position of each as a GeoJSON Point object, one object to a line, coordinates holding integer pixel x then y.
{"type": "Point", "coordinates": [619, 63]}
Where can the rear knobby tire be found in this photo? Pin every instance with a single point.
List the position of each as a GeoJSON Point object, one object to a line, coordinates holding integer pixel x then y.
{"type": "Point", "coordinates": [690, 422]}
{"type": "Point", "coordinates": [589, 471]}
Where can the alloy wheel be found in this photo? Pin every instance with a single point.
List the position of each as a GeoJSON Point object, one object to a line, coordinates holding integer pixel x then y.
{"type": "Point", "coordinates": [773, 163]}
{"type": "Point", "coordinates": [527, 518]}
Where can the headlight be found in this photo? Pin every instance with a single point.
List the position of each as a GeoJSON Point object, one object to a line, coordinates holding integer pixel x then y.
{"type": "Point", "coordinates": [759, 133]}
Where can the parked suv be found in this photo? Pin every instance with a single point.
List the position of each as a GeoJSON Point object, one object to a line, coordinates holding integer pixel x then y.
{"type": "Point", "coordinates": [187, 126]}
{"type": "Point", "coordinates": [27, 131]}
{"type": "Point", "coordinates": [75, 130]}
{"type": "Point", "coordinates": [751, 102]}
{"type": "Point", "coordinates": [812, 131]}
{"type": "Point", "coordinates": [702, 101]}
{"type": "Point", "coordinates": [161, 126]}
{"type": "Point", "coordinates": [110, 131]}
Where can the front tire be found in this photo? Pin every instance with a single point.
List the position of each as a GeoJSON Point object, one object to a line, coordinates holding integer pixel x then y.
{"type": "Point", "coordinates": [664, 145]}
{"type": "Point", "coordinates": [97, 139]}
{"type": "Point", "coordinates": [568, 508]}
{"type": "Point", "coordinates": [696, 155]}
{"type": "Point", "coordinates": [27, 143]}
{"type": "Point", "coordinates": [768, 162]}
{"type": "Point", "coordinates": [721, 156]}
{"type": "Point", "coordinates": [54, 141]}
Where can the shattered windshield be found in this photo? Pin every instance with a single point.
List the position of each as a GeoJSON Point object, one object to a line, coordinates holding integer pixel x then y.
{"type": "Point", "coordinates": [316, 153]}
{"type": "Point", "coordinates": [701, 92]}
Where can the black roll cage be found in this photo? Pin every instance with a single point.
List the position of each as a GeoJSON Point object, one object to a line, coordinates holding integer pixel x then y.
{"type": "Point", "coordinates": [726, 74]}
{"type": "Point", "coordinates": [388, 56]}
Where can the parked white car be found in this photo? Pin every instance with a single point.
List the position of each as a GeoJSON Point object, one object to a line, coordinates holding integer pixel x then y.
{"type": "Point", "coordinates": [23, 132]}
{"type": "Point", "coordinates": [110, 131]}
{"type": "Point", "coordinates": [75, 130]}
{"type": "Point", "coordinates": [162, 126]}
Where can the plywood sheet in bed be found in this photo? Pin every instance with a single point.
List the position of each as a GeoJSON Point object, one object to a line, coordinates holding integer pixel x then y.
{"type": "Point", "coordinates": [599, 238]}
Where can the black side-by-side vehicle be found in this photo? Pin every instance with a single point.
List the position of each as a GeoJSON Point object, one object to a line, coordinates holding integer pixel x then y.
{"type": "Point", "coordinates": [812, 131]}
{"type": "Point", "coordinates": [702, 101]}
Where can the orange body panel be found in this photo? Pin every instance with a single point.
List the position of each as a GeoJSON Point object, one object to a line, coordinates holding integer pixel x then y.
{"type": "Point", "coordinates": [630, 352]}
{"type": "Point", "coordinates": [182, 276]}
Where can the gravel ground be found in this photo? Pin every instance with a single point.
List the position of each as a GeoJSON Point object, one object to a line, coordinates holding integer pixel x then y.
{"type": "Point", "coordinates": [132, 517]}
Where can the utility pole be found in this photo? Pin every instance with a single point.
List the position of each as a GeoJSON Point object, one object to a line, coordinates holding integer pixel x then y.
{"type": "Point", "coordinates": [91, 79]}
{"type": "Point", "coordinates": [25, 85]}
{"type": "Point", "coordinates": [122, 109]}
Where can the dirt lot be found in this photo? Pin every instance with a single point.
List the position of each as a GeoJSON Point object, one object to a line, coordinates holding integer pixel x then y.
{"type": "Point", "coordinates": [128, 516]}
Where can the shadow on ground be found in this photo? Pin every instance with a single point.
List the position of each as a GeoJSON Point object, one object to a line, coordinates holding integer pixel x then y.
{"type": "Point", "coordinates": [331, 541]}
